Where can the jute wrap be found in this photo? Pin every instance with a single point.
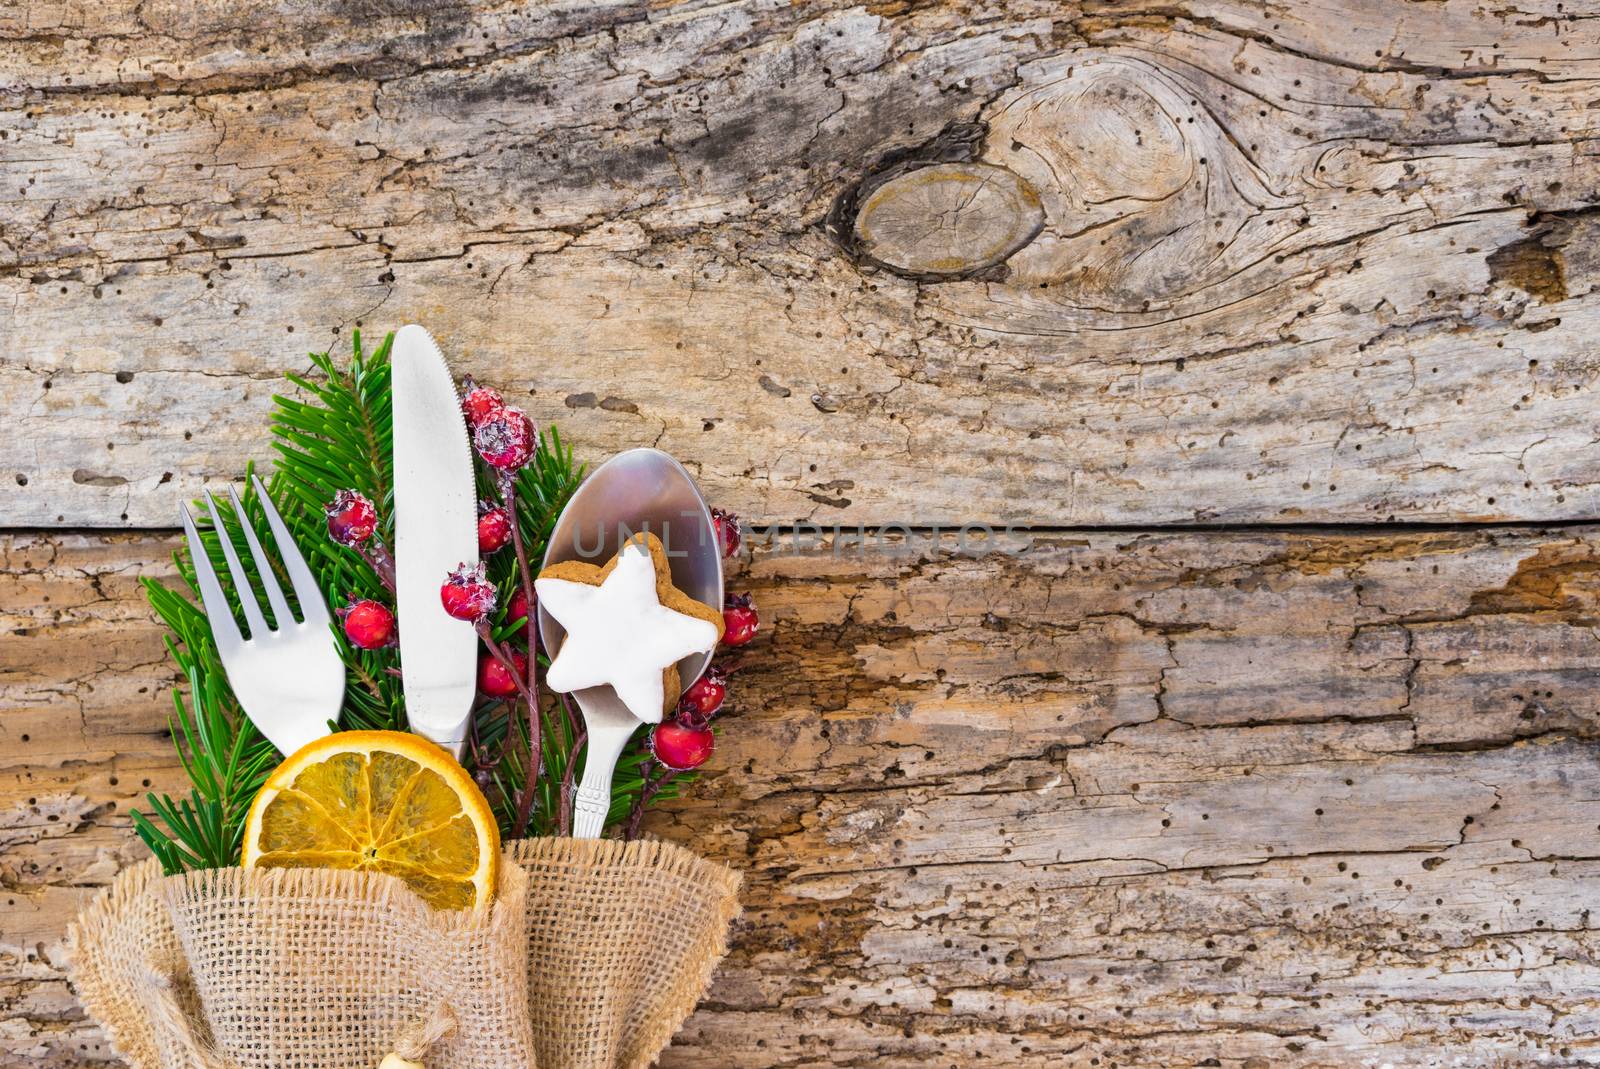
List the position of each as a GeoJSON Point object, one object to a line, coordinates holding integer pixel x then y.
{"type": "Point", "coordinates": [591, 957]}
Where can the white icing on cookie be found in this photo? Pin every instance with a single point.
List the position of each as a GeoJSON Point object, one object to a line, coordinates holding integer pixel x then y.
{"type": "Point", "coordinates": [619, 633]}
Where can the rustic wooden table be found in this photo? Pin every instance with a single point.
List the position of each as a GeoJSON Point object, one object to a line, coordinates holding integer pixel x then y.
{"type": "Point", "coordinates": [1268, 738]}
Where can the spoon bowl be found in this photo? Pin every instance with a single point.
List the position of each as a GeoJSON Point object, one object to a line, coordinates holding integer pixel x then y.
{"type": "Point", "coordinates": [639, 490]}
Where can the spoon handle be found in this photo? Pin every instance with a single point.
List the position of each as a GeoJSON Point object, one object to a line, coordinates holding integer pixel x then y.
{"type": "Point", "coordinates": [592, 800]}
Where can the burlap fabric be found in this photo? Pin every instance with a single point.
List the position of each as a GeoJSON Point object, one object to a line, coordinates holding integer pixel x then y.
{"type": "Point", "coordinates": [622, 940]}
{"type": "Point", "coordinates": [302, 969]}
{"type": "Point", "coordinates": [317, 968]}
{"type": "Point", "coordinates": [126, 967]}
{"type": "Point", "coordinates": [591, 957]}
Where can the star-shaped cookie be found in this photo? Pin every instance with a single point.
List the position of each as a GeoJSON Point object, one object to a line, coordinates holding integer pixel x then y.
{"type": "Point", "coordinates": [627, 626]}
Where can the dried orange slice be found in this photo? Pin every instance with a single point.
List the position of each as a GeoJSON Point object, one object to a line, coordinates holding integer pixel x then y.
{"type": "Point", "coordinates": [379, 801]}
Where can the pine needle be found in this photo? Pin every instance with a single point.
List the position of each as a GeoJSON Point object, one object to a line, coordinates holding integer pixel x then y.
{"type": "Point", "coordinates": [338, 435]}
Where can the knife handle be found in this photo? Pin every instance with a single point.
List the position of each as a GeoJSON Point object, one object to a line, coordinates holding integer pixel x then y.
{"type": "Point", "coordinates": [592, 800]}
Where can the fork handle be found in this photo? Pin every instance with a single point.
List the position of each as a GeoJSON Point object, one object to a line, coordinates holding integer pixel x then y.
{"type": "Point", "coordinates": [592, 800]}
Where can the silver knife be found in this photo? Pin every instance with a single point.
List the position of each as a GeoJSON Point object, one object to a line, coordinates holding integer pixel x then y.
{"type": "Point", "coordinates": [436, 530]}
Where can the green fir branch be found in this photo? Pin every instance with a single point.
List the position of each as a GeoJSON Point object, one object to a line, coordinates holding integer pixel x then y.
{"type": "Point", "coordinates": [337, 435]}
{"type": "Point", "coordinates": [338, 438]}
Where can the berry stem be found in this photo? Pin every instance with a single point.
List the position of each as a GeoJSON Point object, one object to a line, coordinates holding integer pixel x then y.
{"type": "Point", "coordinates": [535, 764]}
{"type": "Point", "coordinates": [630, 830]}
{"type": "Point", "coordinates": [580, 736]}
{"type": "Point", "coordinates": [501, 654]}
{"type": "Point", "coordinates": [379, 560]}
{"type": "Point", "coordinates": [508, 493]}
{"type": "Point", "coordinates": [536, 773]}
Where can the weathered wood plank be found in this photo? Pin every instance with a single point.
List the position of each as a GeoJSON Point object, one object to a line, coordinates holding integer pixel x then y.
{"type": "Point", "coordinates": [1300, 799]}
{"type": "Point", "coordinates": [1321, 798]}
{"type": "Point", "coordinates": [1324, 266]}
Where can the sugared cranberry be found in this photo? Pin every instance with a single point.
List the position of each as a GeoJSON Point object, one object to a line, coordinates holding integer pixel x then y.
{"type": "Point", "coordinates": [368, 624]}
{"type": "Point", "coordinates": [467, 594]}
{"type": "Point", "coordinates": [727, 528]}
{"type": "Point", "coordinates": [681, 747]}
{"type": "Point", "coordinates": [742, 622]}
{"type": "Point", "coordinates": [705, 695]}
{"type": "Point", "coordinates": [517, 608]}
{"type": "Point", "coordinates": [494, 527]}
{"type": "Point", "coordinates": [505, 439]}
{"type": "Point", "coordinates": [479, 403]}
{"type": "Point", "coordinates": [494, 680]}
{"type": "Point", "coordinates": [351, 518]}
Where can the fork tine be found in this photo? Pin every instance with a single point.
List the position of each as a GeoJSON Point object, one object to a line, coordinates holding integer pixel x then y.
{"type": "Point", "coordinates": [224, 629]}
{"type": "Point", "coordinates": [269, 578]}
{"type": "Point", "coordinates": [312, 608]}
{"type": "Point", "coordinates": [236, 572]}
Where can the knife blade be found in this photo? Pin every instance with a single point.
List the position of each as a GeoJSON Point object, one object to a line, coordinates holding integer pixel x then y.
{"type": "Point", "coordinates": [436, 530]}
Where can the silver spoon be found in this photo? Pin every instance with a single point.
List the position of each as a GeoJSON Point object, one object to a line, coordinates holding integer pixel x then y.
{"type": "Point", "coordinates": [640, 490]}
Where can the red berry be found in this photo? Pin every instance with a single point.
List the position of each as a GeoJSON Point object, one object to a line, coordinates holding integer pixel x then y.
{"type": "Point", "coordinates": [680, 747]}
{"type": "Point", "coordinates": [368, 624]}
{"type": "Point", "coordinates": [479, 403]}
{"type": "Point", "coordinates": [494, 680]}
{"type": "Point", "coordinates": [742, 622]}
{"type": "Point", "coordinates": [494, 527]}
{"type": "Point", "coordinates": [466, 593]}
{"type": "Point", "coordinates": [705, 695]}
{"type": "Point", "coordinates": [726, 525]}
{"type": "Point", "coordinates": [505, 439]}
{"type": "Point", "coordinates": [351, 518]}
{"type": "Point", "coordinates": [517, 608]}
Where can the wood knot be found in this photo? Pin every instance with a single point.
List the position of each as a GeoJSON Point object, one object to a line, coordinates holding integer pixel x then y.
{"type": "Point", "coordinates": [935, 213]}
{"type": "Point", "coordinates": [949, 220]}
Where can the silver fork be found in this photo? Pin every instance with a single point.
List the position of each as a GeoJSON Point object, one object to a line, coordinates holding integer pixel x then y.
{"type": "Point", "coordinates": [290, 680]}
